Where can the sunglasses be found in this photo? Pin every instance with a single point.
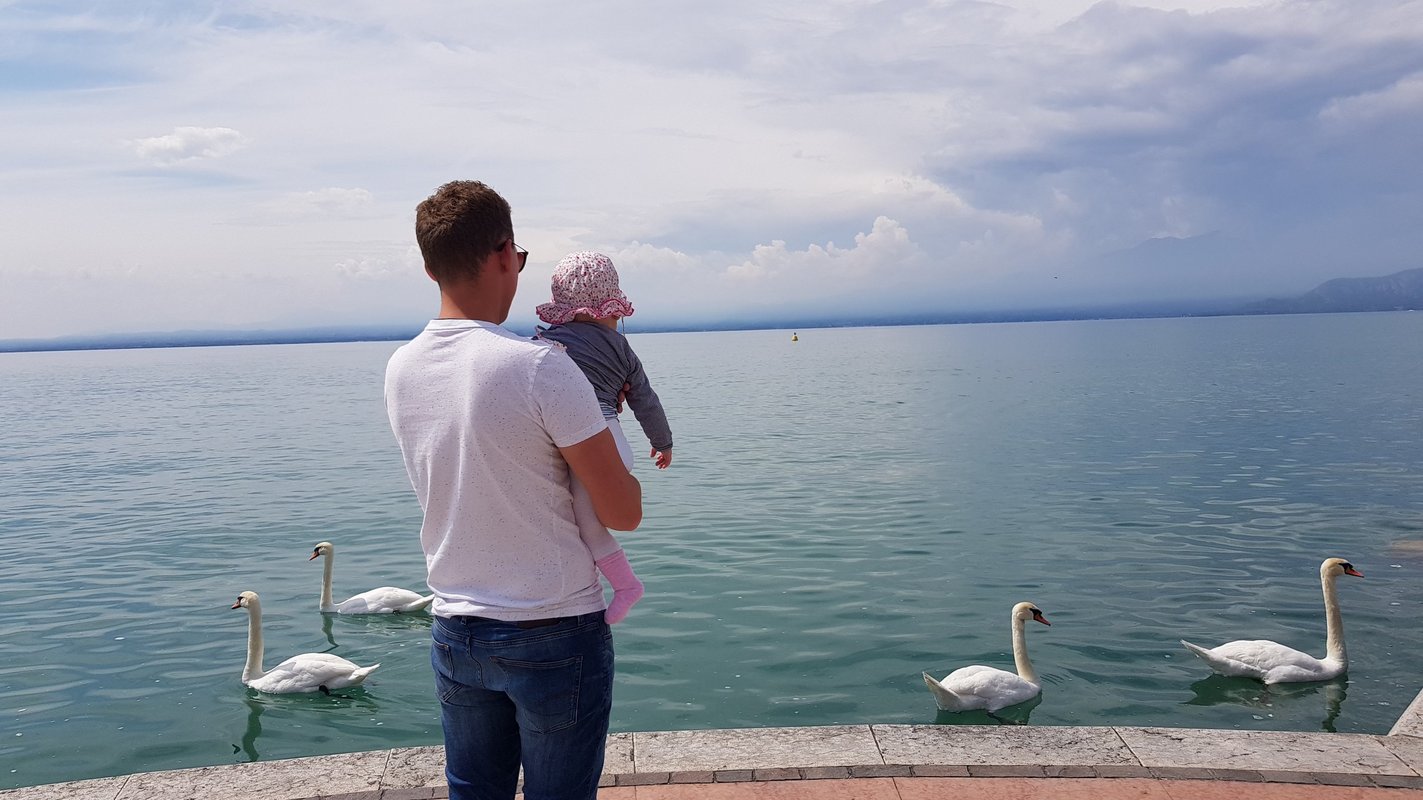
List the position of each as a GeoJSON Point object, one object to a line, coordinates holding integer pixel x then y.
{"type": "Point", "coordinates": [518, 251]}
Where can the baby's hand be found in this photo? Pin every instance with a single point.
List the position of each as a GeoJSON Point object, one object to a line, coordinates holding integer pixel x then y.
{"type": "Point", "coordinates": [663, 459]}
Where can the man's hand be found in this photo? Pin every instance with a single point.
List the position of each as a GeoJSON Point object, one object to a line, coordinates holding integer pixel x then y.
{"type": "Point", "coordinates": [663, 459]}
{"type": "Point", "coordinates": [623, 395]}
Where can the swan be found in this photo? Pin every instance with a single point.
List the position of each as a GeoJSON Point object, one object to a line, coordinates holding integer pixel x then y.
{"type": "Point", "coordinates": [1272, 662]}
{"type": "Point", "coordinates": [989, 688]}
{"type": "Point", "coordinates": [308, 672]}
{"type": "Point", "coordinates": [385, 600]}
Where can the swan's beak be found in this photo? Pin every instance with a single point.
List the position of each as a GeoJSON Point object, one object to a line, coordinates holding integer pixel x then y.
{"type": "Point", "coordinates": [1354, 572]}
{"type": "Point", "coordinates": [314, 554]}
{"type": "Point", "coordinates": [238, 604]}
{"type": "Point", "coordinates": [1040, 618]}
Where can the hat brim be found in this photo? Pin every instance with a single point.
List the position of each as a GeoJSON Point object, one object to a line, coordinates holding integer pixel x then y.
{"type": "Point", "coordinates": [559, 313]}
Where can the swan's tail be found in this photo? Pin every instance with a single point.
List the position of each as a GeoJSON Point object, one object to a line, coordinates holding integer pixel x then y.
{"type": "Point", "coordinates": [1200, 652]}
{"type": "Point", "coordinates": [359, 675]}
{"type": "Point", "coordinates": [418, 605]}
{"type": "Point", "coordinates": [947, 700]}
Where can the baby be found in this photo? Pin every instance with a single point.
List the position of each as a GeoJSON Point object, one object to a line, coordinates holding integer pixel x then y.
{"type": "Point", "coordinates": [584, 314]}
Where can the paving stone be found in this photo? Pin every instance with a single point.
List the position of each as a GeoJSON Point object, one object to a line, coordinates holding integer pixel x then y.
{"type": "Point", "coordinates": [695, 776]}
{"type": "Point", "coordinates": [939, 771]}
{"type": "Point", "coordinates": [881, 771]}
{"type": "Point", "coordinates": [644, 778]}
{"type": "Point", "coordinates": [1342, 779]}
{"type": "Point", "coordinates": [1005, 771]}
{"type": "Point", "coordinates": [1409, 749]}
{"type": "Point", "coordinates": [1287, 776]}
{"type": "Point", "coordinates": [1398, 781]}
{"type": "Point", "coordinates": [1122, 771]}
{"type": "Point", "coordinates": [1237, 775]}
{"type": "Point", "coordinates": [775, 774]}
{"type": "Point", "coordinates": [825, 773]}
{"type": "Point", "coordinates": [101, 789]}
{"type": "Point", "coordinates": [1070, 772]}
{"type": "Point", "coordinates": [605, 780]}
{"type": "Point", "coordinates": [417, 793]}
{"type": "Point", "coordinates": [263, 780]}
{"type": "Point", "coordinates": [755, 748]}
{"type": "Point", "coordinates": [733, 775]}
{"type": "Point", "coordinates": [414, 767]}
{"type": "Point", "coordinates": [618, 754]}
{"type": "Point", "coordinates": [1000, 744]}
{"type": "Point", "coordinates": [1261, 750]}
{"type": "Point", "coordinates": [1411, 723]}
{"type": "Point", "coordinates": [1181, 773]}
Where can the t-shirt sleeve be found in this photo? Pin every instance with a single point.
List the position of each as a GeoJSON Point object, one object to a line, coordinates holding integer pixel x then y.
{"type": "Point", "coordinates": [565, 400]}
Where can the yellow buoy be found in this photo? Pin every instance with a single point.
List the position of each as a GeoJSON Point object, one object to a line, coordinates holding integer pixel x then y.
{"type": "Point", "coordinates": [794, 338]}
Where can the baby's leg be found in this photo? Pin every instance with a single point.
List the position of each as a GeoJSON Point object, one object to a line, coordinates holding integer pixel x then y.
{"type": "Point", "coordinates": [599, 539]}
{"type": "Point", "coordinates": [607, 553]}
{"type": "Point", "coordinates": [627, 589]}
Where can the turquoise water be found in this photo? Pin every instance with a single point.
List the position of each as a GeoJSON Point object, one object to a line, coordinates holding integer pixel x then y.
{"type": "Point", "coordinates": [843, 512]}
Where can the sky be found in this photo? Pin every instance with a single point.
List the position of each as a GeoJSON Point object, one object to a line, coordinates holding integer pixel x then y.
{"type": "Point", "coordinates": [253, 165]}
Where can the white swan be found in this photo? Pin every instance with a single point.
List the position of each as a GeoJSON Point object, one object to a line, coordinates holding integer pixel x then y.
{"type": "Point", "coordinates": [308, 672]}
{"type": "Point", "coordinates": [1272, 662]}
{"type": "Point", "coordinates": [385, 600]}
{"type": "Point", "coordinates": [988, 688]}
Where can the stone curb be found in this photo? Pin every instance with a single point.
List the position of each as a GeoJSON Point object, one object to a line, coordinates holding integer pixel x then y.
{"type": "Point", "coordinates": [948, 771]}
{"type": "Point", "coordinates": [658, 758]}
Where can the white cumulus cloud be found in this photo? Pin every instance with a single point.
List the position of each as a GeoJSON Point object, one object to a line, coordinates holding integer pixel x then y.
{"type": "Point", "coordinates": [189, 143]}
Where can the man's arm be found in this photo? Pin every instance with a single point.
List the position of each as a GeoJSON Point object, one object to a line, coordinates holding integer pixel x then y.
{"type": "Point", "coordinates": [616, 494]}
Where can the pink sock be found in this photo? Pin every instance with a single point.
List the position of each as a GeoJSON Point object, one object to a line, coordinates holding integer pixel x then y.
{"type": "Point", "coordinates": [627, 589]}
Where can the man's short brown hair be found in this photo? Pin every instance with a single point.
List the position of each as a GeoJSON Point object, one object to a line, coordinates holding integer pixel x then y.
{"type": "Point", "coordinates": [458, 227]}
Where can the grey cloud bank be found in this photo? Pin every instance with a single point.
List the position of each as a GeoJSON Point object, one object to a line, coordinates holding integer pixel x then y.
{"type": "Point", "coordinates": [252, 165]}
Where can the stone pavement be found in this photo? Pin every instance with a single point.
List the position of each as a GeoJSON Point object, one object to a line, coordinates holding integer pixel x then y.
{"type": "Point", "coordinates": [861, 761]}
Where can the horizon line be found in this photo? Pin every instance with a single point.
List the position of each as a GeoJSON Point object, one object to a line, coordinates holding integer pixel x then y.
{"type": "Point", "coordinates": [388, 332]}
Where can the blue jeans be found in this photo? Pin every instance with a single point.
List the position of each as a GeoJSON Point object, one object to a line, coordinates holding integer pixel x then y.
{"type": "Point", "coordinates": [541, 696]}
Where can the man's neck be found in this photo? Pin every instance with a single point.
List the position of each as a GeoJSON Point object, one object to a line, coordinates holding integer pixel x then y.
{"type": "Point", "coordinates": [469, 305]}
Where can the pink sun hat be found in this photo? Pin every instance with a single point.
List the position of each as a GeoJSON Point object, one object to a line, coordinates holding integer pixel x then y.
{"type": "Point", "coordinates": [584, 283]}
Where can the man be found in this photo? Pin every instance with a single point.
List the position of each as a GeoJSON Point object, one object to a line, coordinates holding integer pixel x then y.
{"type": "Point", "coordinates": [490, 423]}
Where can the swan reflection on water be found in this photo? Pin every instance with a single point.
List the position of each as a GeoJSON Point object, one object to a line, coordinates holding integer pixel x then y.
{"type": "Point", "coordinates": [287, 705]}
{"type": "Point", "coordinates": [1012, 715]}
{"type": "Point", "coordinates": [389, 624]}
{"type": "Point", "coordinates": [1221, 690]}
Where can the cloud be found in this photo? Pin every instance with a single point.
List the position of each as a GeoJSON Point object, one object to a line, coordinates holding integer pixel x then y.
{"type": "Point", "coordinates": [403, 266]}
{"type": "Point", "coordinates": [187, 143]}
{"type": "Point", "coordinates": [331, 201]}
{"type": "Point", "coordinates": [1401, 99]}
{"type": "Point", "coordinates": [885, 246]}
{"type": "Point", "coordinates": [730, 154]}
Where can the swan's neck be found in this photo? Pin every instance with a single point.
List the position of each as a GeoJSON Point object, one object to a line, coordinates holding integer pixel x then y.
{"type": "Point", "coordinates": [253, 670]}
{"type": "Point", "coordinates": [1020, 653]}
{"type": "Point", "coordinates": [1334, 622]}
{"type": "Point", "coordinates": [326, 603]}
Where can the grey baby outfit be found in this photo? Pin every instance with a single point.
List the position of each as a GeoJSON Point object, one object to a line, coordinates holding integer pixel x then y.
{"type": "Point", "coordinates": [608, 361]}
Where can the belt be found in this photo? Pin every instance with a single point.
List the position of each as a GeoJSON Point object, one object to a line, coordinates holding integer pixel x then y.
{"type": "Point", "coordinates": [522, 624]}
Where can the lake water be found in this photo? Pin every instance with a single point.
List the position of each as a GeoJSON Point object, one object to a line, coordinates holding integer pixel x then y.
{"type": "Point", "coordinates": [844, 512]}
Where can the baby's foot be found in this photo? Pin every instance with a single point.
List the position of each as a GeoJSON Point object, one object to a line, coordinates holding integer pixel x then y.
{"type": "Point", "coordinates": [623, 600]}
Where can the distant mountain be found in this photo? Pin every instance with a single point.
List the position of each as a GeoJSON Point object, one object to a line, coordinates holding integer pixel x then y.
{"type": "Point", "coordinates": [1400, 291]}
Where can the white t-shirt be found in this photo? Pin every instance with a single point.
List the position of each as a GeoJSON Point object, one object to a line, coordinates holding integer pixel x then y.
{"type": "Point", "coordinates": [480, 413]}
